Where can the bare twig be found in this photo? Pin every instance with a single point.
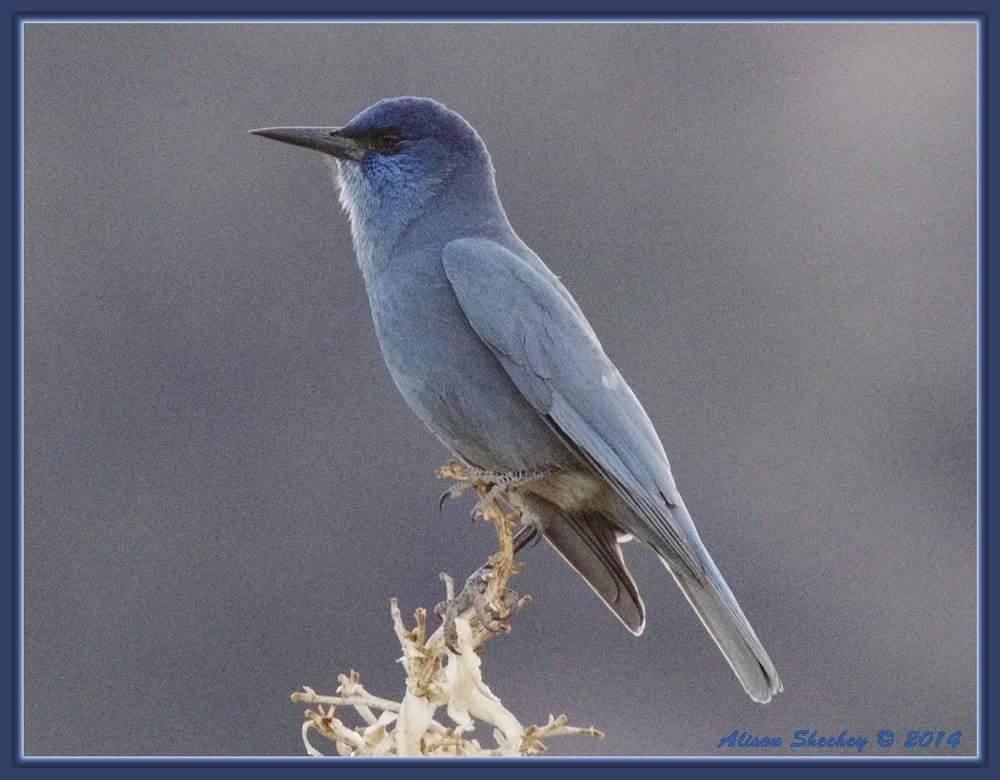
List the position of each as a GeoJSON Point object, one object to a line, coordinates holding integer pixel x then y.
{"type": "Point", "coordinates": [440, 676]}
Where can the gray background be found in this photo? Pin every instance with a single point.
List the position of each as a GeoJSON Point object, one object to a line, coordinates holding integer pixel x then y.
{"type": "Point", "coordinates": [772, 229]}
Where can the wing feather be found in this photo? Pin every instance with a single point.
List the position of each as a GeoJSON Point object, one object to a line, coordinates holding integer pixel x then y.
{"type": "Point", "coordinates": [550, 351]}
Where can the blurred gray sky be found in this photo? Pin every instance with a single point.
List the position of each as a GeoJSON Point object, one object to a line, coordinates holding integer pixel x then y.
{"type": "Point", "coordinates": [772, 228]}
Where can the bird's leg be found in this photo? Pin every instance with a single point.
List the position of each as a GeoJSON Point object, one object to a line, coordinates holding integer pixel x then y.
{"type": "Point", "coordinates": [496, 483]}
{"type": "Point", "coordinates": [500, 482]}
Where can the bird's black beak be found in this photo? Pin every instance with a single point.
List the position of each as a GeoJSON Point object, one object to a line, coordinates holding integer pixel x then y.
{"type": "Point", "coordinates": [322, 139]}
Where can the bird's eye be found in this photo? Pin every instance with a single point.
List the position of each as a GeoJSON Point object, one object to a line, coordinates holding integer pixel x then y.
{"type": "Point", "coordinates": [382, 141]}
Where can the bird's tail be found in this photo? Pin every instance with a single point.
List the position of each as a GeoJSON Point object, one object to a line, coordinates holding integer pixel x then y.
{"type": "Point", "coordinates": [719, 611]}
{"type": "Point", "coordinates": [589, 543]}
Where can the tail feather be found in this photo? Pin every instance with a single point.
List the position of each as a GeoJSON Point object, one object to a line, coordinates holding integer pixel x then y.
{"type": "Point", "coordinates": [590, 541]}
{"type": "Point", "coordinates": [590, 545]}
{"type": "Point", "coordinates": [720, 613]}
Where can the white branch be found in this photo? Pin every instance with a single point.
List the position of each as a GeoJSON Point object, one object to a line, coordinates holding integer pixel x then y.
{"type": "Point", "coordinates": [437, 677]}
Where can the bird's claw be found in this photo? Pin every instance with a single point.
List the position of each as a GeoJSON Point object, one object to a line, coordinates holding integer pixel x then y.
{"type": "Point", "coordinates": [458, 489]}
{"type": "Point", "coordinates": [454, 491]}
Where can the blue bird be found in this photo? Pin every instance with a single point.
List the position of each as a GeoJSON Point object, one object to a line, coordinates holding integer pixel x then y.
{"type": "Point", "coordinates": [494, 355]}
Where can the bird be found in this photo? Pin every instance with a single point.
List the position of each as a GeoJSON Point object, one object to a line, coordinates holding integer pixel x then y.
{"type": "Point", "coordinates": [494, 355]}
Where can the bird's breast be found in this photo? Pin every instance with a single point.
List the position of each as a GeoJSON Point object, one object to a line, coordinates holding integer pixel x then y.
{"type": "Point", "coordinates": [448, 376]}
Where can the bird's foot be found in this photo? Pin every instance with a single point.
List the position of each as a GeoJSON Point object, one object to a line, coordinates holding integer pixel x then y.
{"type": "Point", "coordinates": [491, 485]}
{"type": "Point", "coordinates": [463, 477]}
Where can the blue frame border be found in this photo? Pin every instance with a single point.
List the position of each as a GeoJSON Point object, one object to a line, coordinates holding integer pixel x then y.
{"type": "Point", "coordinates": [305, 12]}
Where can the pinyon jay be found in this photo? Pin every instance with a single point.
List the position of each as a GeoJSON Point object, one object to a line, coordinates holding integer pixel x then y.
{"type": "Point", "coordinates": [494, 355]}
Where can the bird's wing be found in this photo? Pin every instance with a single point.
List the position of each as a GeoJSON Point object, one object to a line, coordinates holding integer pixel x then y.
{"type": "Point", "coordinates": [536, 330]}
{"type": "Point", "coordinates": [540, 336]}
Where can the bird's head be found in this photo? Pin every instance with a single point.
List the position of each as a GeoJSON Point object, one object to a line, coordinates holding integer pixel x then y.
{"type": "Point", "coordinates": [392, 159]}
